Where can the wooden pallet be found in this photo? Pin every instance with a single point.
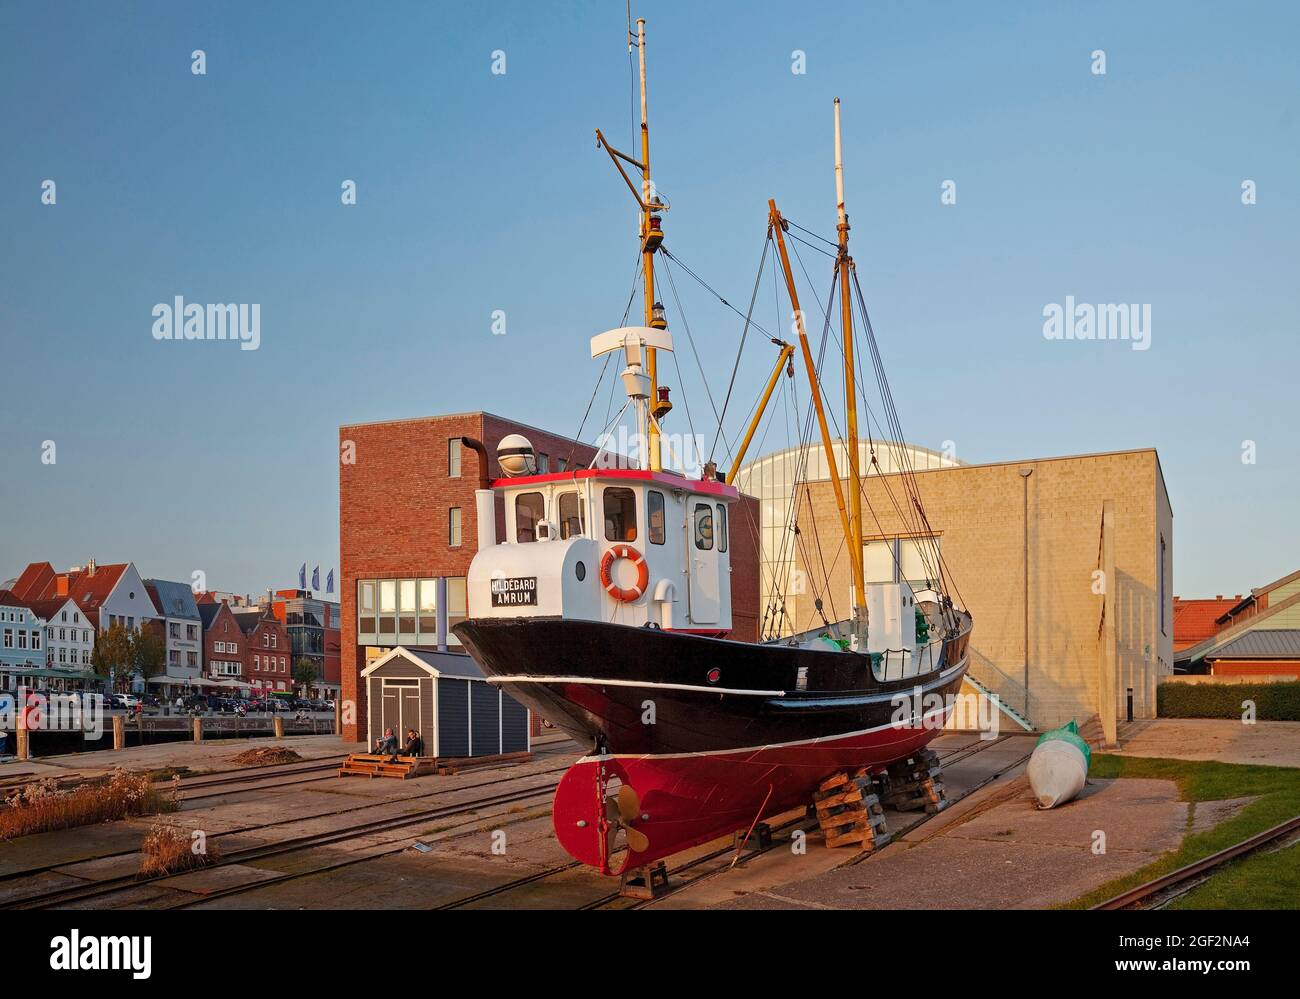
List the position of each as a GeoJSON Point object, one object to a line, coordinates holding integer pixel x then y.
{"type": "Point", "coordinates": [914, 784]}
{"type": "Point", "coordinates": [371, 765]}
{"type": "Point", "coordinates": [849, 812]}
{"type": "Point", "coordinates": [401, 767]}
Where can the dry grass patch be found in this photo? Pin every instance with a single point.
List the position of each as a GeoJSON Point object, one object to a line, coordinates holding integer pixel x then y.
{"type": "Point", "coordinates": [168, 850]}
{"type": "Point", "coordinates": [44, 807]}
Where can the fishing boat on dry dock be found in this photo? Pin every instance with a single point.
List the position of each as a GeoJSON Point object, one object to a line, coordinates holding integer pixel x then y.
{"type": "Point", "coordinates": [606, 607]}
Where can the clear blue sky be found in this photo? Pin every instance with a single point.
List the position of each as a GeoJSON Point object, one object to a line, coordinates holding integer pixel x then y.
{"type": "Point", "coordinates": [480, 192]}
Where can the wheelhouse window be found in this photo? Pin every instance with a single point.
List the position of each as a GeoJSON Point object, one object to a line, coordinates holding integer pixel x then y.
{"type": "Point", "coordinates": [656, 522]}
{"type": "Point", "coordinates": [722, 527]}
{"type": "Point", "coordinates": [571, 525]}
{"type": "Point", "coordinates": [530, 509]}
{"type": "Point", "coordinates": [703, 527]}
{"type": "Point", "coordinates": [620, 514]}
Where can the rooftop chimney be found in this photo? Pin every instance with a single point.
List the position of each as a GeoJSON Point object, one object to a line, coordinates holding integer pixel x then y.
{"type": "Point", "coordinates": [90, 567]}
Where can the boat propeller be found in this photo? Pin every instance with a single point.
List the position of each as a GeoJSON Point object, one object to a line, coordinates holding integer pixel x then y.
{"type": "Point", "coordinates": [620, 811]}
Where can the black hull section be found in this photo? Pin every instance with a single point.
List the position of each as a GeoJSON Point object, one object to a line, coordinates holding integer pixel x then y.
{"type": "Point", "coordinates": [666, 692]}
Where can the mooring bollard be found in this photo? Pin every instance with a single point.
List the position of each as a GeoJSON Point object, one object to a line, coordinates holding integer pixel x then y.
{"type": "Point", "coordinates": [198, 729]}
{"type": "Point", "coordinates": [278, 723]}
{"type": "Point", "coordinates": [119, 732]}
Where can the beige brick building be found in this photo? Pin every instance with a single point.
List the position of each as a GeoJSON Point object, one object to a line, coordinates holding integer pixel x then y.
{"type": "Point", "coordinates": [991, 522]}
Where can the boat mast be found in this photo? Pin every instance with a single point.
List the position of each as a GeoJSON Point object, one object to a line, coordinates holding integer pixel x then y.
{"type": "Point", "coordinates": [654, 313]}
{"type": "Point", "coordinates": [777, 224]}
{"type": "Point", "coordinates": [844, 264]}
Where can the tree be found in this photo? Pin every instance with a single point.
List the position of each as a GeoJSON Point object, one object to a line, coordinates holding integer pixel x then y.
{"type": "Point", "coordinates": [305, 672]}
{"type": "Point", "coordinates": [112, 655]}
{"type": "Point", "coordinates": [148, 652]}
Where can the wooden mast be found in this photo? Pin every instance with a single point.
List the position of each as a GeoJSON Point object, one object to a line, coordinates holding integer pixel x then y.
{"type": "Point", "coordinates": [844, 263]}
{"type": "Point", "coordinates": [778, 227]}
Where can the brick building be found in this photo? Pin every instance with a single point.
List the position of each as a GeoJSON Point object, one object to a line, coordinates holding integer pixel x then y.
{"type": "Point", "coordinates": [223, 642]}
{"type": "Point", "coordinates": [268, 653]}
{"type": "Point", "coordinates": [991, 521]}
{"type": "Point", "coordinates": [408, 530]}
{"type": "Point", "coordinates": [249, 646]}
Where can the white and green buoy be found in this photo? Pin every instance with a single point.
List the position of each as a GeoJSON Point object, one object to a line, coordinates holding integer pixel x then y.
{"type": "Point", "coordinates": [1058, 768]}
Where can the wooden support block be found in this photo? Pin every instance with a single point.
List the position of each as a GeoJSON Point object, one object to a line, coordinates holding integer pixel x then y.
{"type": "Point", "coordinates": [832, 782]}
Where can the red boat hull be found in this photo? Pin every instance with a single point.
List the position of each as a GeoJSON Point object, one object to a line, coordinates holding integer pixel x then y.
{"type": "Point", "coordinates": [689, 799]}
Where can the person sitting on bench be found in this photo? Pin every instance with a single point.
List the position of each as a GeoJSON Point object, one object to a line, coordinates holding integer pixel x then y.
{"type": "Point", "coordinates": [386, 745]}
{"type": "Point", "coordinates": [414, 744]}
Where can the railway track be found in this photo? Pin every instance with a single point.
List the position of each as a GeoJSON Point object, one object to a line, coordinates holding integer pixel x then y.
{"type": "Point", "coordinates": [258, 827]}
{"type": "Point", "coordinates": [1159, 892]}
{"type": "Point", "coordinates": [107, 887]}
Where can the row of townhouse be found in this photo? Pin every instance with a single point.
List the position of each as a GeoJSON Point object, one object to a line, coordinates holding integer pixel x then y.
{"type": "Point", "coordinates": [49, 622]}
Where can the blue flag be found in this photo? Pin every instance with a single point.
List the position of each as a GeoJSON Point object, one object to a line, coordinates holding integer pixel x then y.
{"type": "Point", "coordinates": [329, 582]}
{"type": "Point", "coordinates": [315, 578]}
{"type": "Point", "coordinates": [302, 577]}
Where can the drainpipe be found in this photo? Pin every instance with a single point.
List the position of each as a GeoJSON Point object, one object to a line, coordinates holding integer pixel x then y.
{"type": "Point", "coordinates": [1025, 473]}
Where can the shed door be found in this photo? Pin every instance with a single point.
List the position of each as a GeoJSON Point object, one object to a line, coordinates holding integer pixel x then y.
{"type": "Point", "coordinates": [401, 708]}
{"type": "Point", "coordinates": [706, 598]}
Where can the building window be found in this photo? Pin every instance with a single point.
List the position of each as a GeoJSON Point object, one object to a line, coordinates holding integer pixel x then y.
{"type": "Point", "coordinates": [570, 516]}
{"type": "Point", "coordinates": [453, 527]}
{"type": "Point", "coordinates": [22, 639]}
{"type": "Point", "coordinates": [1163, 630]}
{"type": "Point", "coordinates": [722, 527]}
{"type": "Point", "coordinates": [656, 522]}
{"type": "Point", "coordinates": [704, 527]}
{"type": "Point", "coordinates": [406, 619]}
{"type": "Point", "coordinates": [192, 632]}
{"type": "Point", "coordinates": [191, 659]}
{"type": "Point", "coordinates": [543, 463]}
{"type": "Point", "coordinates": [173, 630]}
{"type": "Point", "coordinates": [366, 601]}
{"type": "Point", "coordinates": [387, 607]}
{"type": "Point", "coordinates": [620, 514]}
{"type": "Point", "coordinates": [561, 464]}
{"type": "Point", "coordinates": [453, 458]}
{"type": "Point", "coordinates": [429, 608]}
{"type": "Point", "coordinates": [456, 611]}
{"type": "Point", "coordinates": [530, 508]}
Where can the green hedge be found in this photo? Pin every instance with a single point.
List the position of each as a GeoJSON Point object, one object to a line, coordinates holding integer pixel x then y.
{"type": "Point", "coordinates": [1273, 701]}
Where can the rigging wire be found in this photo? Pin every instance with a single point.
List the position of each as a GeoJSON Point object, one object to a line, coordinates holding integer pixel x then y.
{"type": "Point", "coordinates": [744, 332]}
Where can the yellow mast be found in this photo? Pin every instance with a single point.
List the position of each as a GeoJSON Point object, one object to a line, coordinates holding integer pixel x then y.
{"type": "Point", "coordinates": [778, 226]}
{"type": "Point", "coordinates": [648, 247]}
{"type": "Point", "coordinates": [844, 263]}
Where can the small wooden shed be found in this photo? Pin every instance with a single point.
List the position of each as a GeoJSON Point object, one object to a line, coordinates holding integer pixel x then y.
{"type": "Point", "coordinates": [445, 698]}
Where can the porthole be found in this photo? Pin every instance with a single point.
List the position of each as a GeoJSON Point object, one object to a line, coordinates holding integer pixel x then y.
{"type": "Point", "coordinates": [580, 570]}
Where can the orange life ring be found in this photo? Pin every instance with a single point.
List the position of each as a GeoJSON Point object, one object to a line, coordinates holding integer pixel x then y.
{"type": "Point", "coordinates": [625, 594]}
